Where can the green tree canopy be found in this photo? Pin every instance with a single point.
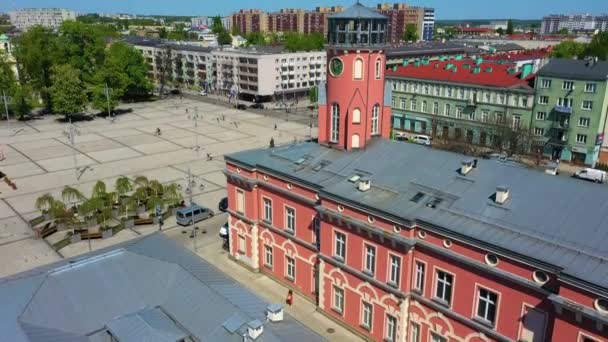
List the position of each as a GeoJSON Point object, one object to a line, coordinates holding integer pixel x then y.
{"type": "Point", "coordinates": [82, 46]}
{"type": "Point", "coordinates": [224, 38]}
{"type": "Point", "coordinates": [563, 31]}
{"type": "Point", "coordinates": [304, 42]}
{"type": "Point", "coordinates": [500, 31]}
{"type": "Point", "coordinates": [67, 92]}
{"type": "Point", "coordinates": [410, 34]}
{"type": "Point", "coordinates": [313, 94]}
{"type": "Point", "coordinates": [568, 49]}
{"type": "Point", "coordinates": [510, 26]}
{"type": "Point", "coordinates": [256, 39]}
{"type": "Point", "coordinates": [598, 46]}
{"type": "Point", "coordinates": [217, 26]}
{"type": "Point", "coordinates": [8, 82]}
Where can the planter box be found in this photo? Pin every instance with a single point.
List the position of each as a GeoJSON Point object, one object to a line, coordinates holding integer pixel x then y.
{"type": "Point", "coordinates": [75, 238]}
{"type": "Point", "coordinates": [92, 222]}
{"type": "Point", "coordinates": [106, 234]}
{"type": "Point", "coordinates": [37, 220]}
{"type": "Point", "coordinates": [129, 223]}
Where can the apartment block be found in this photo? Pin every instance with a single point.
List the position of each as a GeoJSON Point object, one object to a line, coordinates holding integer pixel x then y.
{"type": "Point", "coordinates": [250, 20]}
{"type": "Point", "coordinates": [400, 15]}
{"type": "Point", "coordinates": [571, 109]}
{"type": "Point", "coordinates": [574, 22]}
{"type": "Point", "coordinates": [464, 100]}
{"type": "Point", "coordinates": [48, 17]}
{"type": "Point", "coordinates": [286, 20]}
{"type": "Point", "coordinates": [316, 21]}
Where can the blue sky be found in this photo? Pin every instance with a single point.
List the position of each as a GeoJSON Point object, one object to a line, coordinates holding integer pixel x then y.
{"type": "Point", "coordinates": [445, 9]}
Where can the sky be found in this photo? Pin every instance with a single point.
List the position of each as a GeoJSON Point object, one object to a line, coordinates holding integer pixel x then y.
{"type": "Point", "coordinates": [444, 9]}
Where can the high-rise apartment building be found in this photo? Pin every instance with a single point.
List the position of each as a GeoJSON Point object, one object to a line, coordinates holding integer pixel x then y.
{"type": "Point", "coordinates": [574, 22]}
{"type": "Point", "coordinates": [250, 20]}
{"type": "Point", "coordinates": [401, 15]}
{"type": "Point", "coordinates": [48, 17]}
{"type": "Point", "coordinates": [316, 21]}
{"type": "Point", "coordinates": [286, 20]}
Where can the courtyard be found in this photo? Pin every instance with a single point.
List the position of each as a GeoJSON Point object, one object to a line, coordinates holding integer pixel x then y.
{"type": "Point", "coordinates": [39, 158]}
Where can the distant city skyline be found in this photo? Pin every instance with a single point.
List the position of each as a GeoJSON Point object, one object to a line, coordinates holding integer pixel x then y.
{"type": "Point", "coordinates": [445, 9]}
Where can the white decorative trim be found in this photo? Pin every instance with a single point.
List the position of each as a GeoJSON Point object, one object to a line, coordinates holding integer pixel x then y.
{"type": "Point", "coordinates": [255, 252]}
{"type": "Point", "coordinates": [535, 277]}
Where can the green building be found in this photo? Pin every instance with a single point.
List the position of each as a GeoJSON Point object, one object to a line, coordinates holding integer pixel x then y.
{"type": "Point", "coordinates": [465, 99]}
{"type": "Point", "coordinates": [570, 109]}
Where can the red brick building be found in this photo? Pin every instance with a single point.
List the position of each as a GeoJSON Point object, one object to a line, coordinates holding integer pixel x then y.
{"type": "Point", "coordinates": [286, 20]}
{"type": "Point", "coordinates": [400, 242]}
{"type": "Point", "coordinates": [248, 21]}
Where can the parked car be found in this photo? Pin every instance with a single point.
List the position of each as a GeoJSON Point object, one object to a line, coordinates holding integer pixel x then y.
{"type": "Point", "coordinates": [192, 214]}
{"type": "Point", "coordinates": [223, 205]}
{"type": "Point", "coordinates": [592, 175]}
{"type": "Point", "coordinates": [241, 106]}
{"type": "Point", "coordinates": [422, 140]}
{"type": "Point", "coordinates": [224, 231]}
{"type": "Point", "coordinates": [257, 106]}
{"type": "Point", "coordinates": [401, 136]}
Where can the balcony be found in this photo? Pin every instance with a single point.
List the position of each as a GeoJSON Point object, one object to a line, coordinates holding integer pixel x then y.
{"type": "Point", "coordinates": [561, 125]}
{"type": "Point", "coordinates": [563, 109]}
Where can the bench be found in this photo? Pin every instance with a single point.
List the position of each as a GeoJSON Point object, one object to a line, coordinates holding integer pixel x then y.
{"type": "Point", "coordinates": [142, 221]}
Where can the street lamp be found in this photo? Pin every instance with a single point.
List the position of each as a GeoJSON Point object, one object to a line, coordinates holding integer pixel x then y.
{"type": "Point", "coordinates": [195, 117]}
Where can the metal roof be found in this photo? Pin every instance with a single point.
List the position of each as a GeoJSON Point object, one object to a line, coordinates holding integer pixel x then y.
{"type": "Point", "coordinates": [358, 11]}
{"type": "Point", "coordinates": [576, 69]}
{"type": "Point", "coordinates": [554, 220]}
{"type": "Point", "coordinates": [149, 324]}
{"type": "Point", "coordinates": [152, 272]}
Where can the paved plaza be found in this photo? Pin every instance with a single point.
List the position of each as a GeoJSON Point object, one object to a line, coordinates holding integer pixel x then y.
{"type": "Point", "coordinates": [39, 158]}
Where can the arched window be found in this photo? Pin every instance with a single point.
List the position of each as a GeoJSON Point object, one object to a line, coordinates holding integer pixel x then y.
{"type": "Point", "coordinates": [378, 68]}
{"type": "Point", "coordinates": [355, 141]}
{"type": "Point", "coordinates": [358, 69]}
{"type": "Point", "coordinates": [356, 115]}
{"type": "Point", "coordinates": [335, 123]}
{"type": "Point", "coordinates": [375, 116]}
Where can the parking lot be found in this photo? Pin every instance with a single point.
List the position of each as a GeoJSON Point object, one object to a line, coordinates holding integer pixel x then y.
{"type": "Point", "coordinates": [39, 158]}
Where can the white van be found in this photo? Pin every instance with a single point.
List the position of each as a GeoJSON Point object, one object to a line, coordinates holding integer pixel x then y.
{"type": "Point", "coordinates": [422, 140]}
{"type": "Point", "coordinates": [593, 175]}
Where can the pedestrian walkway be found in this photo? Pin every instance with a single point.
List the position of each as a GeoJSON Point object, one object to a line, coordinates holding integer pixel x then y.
{"type": "Point", "coordinates": [302, 309]}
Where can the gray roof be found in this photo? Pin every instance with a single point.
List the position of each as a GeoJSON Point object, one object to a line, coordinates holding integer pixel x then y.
{"type": "Point", "coordinates": [575, 69]}
{"type": "Point", "coordinates": [426, 49]}
{"type": "Point", "coordinates": [358, 11]}
{"type": "Point", "coordinates": [558, 223]}
{"type": "Point", "coordinates": [507, 47]}
{"type": "Point", "coordinates": [150, 280]}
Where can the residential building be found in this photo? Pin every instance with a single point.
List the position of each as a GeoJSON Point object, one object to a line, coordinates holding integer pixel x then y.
{"type": "Point", "coordinates": [571, 109]}
{"type": "Point", "coordinates": [190, 65]}
{"type": "Point", "coordinates": [468, 31]}
{"type": "Point", "coordinates": [48, 17]}
{"type": "Point", "coordinates": [316, 21]}
{"type": "Point", "coordinates": [400, 15]}
{"type": "Point", "coordinates": [468, 100]}
{"type": "Point", "coordinates": [249, 20]}
{"type": "Point", "coordinates": [537, 58]}
{"type": "Point", "coordinates": [574, 22]}
{"type": "Point", "coordinates": [397, 55]}
{"type": "Point", "coordinates": [149, 289]}
{"type": "Point", "coordinates": [401, 242]}
{"type": "Point", "coordinates": [201, 22]}
{"type": "Point", "coordinates": [286, 20]}
{"type": "Point", "coordinates": [263, 73]}
{"type": "Point", "coordinates": [497, 24]}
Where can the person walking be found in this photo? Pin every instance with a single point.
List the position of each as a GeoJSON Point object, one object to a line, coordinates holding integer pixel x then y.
{"type": "Point", "coordinates": [289, 299]}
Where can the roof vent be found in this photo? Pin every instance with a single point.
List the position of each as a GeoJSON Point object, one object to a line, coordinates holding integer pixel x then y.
{"type": "Point", "coordinates": [364, 184]}
{"type": "Point", "coordinates": [466, 166]}
{"type": "Point", "coordinates": [502, 194]}
{"type": "Point", "coordinates": [255, 328]}
{"type": "Point", "coordinates": [274, 312]}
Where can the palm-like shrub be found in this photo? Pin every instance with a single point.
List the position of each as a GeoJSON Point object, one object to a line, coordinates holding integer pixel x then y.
{"type": "Point", "coordinates": [123, 186]}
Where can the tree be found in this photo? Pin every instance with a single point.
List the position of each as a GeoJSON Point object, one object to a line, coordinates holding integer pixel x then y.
{"type": "Point", "coordinates": [598, 47]}
{"type": "Point", "coordinates": [123, 185]}
{"type": "Point", "coordinates": [224, 38]}
{"type": "Point", "coordinates": [410, 34]}
{"type": "Point", "coordinates": [217, 26]}
{"type": "Point", "coordinates": [99, 189]}
{"type": "Point", "coordinates": [110, 85]}
{"type": "Point", "coordinates": [67, 92]}
{"type": "Point", "coordinates": [313, 94]}
{"type": "Point", "coordinates": [22, 100]}
{"type": "Point", "coordinates": [236, 31]}
{"type": "Point", "coordinates": [500, 31]}
{"type": "Point", "coordinates": [568, 49]}
{"type": "Point", "coordinates": [8, 82]}
{"type": "Point", "coordinates": [563, 30]}
{"type": "Point", "coordinates": [35, 52]}
{"type": "Point", "coordinates": [304, 42]}
{"type": "Point", "coordinates": [510, 26]}
{"type": "Point", "coordinates": [44, 202]}
{"type": "Point", "coordinates": [166, 68]}
{"type": "Point", "coordinates": [82, 46]}
{"type": "Point", "coordinates": [71, 195]}
{"type": "Point", "coordinates": [256, 39]}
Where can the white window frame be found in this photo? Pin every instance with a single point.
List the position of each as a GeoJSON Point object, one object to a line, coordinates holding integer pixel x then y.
{"type": "Point", "coordinates": [543, 99]}
{"type": "Point", "coordinates": [583, 107]}
{"type": "Point", "coordinates": [413, 105]}
{"type": "Point", "coordinates": [268, 256]}
{"type": "Point", "coordinates": [516, 121]}
{"type": "Point", "coordinates": [447, 109]}
{"type": "Point", "coordinates": [290, 218]}
{"type": "Point", "coordinates": [584, 122]}
{"type": "Point", "coordinates": [240, 201]}
{"type": "Point", "coordinates": [539, 131]}
{"type": "Point", "coordinates": [335, 123]}
{"type": "Point", "coordinates": [394, 277]}
{"type": "Point", "coordinates": [545, 83]}
{"type": "Point", "coordinates": [419, 275]}
{"type": "Point", "coordinates": [424, 106]}
{"type": "Point", "coordinates": [290, 268]}
{"type": "Point", "coordinates": [565, 102]}
{"type": "Point", "coordinates": [435, 337]}
{"type": "Point", "coordinates": [378, 67]}
{"type": "Point", "coordinates": [567, 85]}
{"type": "Point", "coordinates": [445, 284]}
{"type": "Point", "coordinates": [369, 259]}
{"type": "Point", "coordinates": [543, 117]}
{"type": "Point", "coordinates": [358, 69]}
{"type": "Point", "coordinates": [404, 103]}
{"type": "Point", "coordinates": [588, 87]}
{"type": "Point", "coordinates": [390, 327]}
{"type": "Point", "coordinates": [337, 301]}
{"type": "Point", "coordinates": [340, 245]}
{"type": "Point", "coordinates": [375, 119]}
{"type": "Point", "coordinates": [581, 138]}
{"type": "Point", "coordinates": [367, 315]}
{"type": "Point", "coordinates": [414, 332]}
{"type": "Point", "coordinates": [356, 115]}
{"type": "Point", "coordinates": [267, 209]}
{"type": "Point", "coordinates": [435, 108]}
{"type": "Point", "coordinates": [488, 302]}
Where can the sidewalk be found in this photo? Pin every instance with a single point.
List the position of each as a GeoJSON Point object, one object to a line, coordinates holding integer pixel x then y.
{"type": "Point", "coordinates": [302, 310]}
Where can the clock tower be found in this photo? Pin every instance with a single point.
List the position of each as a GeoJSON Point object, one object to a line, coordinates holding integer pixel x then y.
{"type": "Point", "coordinates": [355, 107]}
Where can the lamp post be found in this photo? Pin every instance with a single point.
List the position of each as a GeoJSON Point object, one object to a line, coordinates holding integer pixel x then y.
{"type": "Point", "coordinates": [107, 92]}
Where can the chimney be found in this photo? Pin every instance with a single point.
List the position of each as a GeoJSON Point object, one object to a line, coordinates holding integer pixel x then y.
{"type": "Point", "coordinates": [255, 328]}
{"type": "Point", "coordinates": [466, 166]}
{"type": "Point", "coordinates": [502, 194]}
{"type": "Point", "coordinates": [364, 184]}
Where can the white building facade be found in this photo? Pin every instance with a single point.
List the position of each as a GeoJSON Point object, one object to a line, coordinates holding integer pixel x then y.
{"type": "Point", "coordinates": [48, 17]}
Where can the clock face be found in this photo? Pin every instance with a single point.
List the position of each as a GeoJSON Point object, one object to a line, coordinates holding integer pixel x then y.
{"type": "Point", "coordinates": [336, 67]}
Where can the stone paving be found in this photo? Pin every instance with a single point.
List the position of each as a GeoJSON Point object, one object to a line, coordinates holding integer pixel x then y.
{"type": "Point", "coordinates": [40, 159]}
